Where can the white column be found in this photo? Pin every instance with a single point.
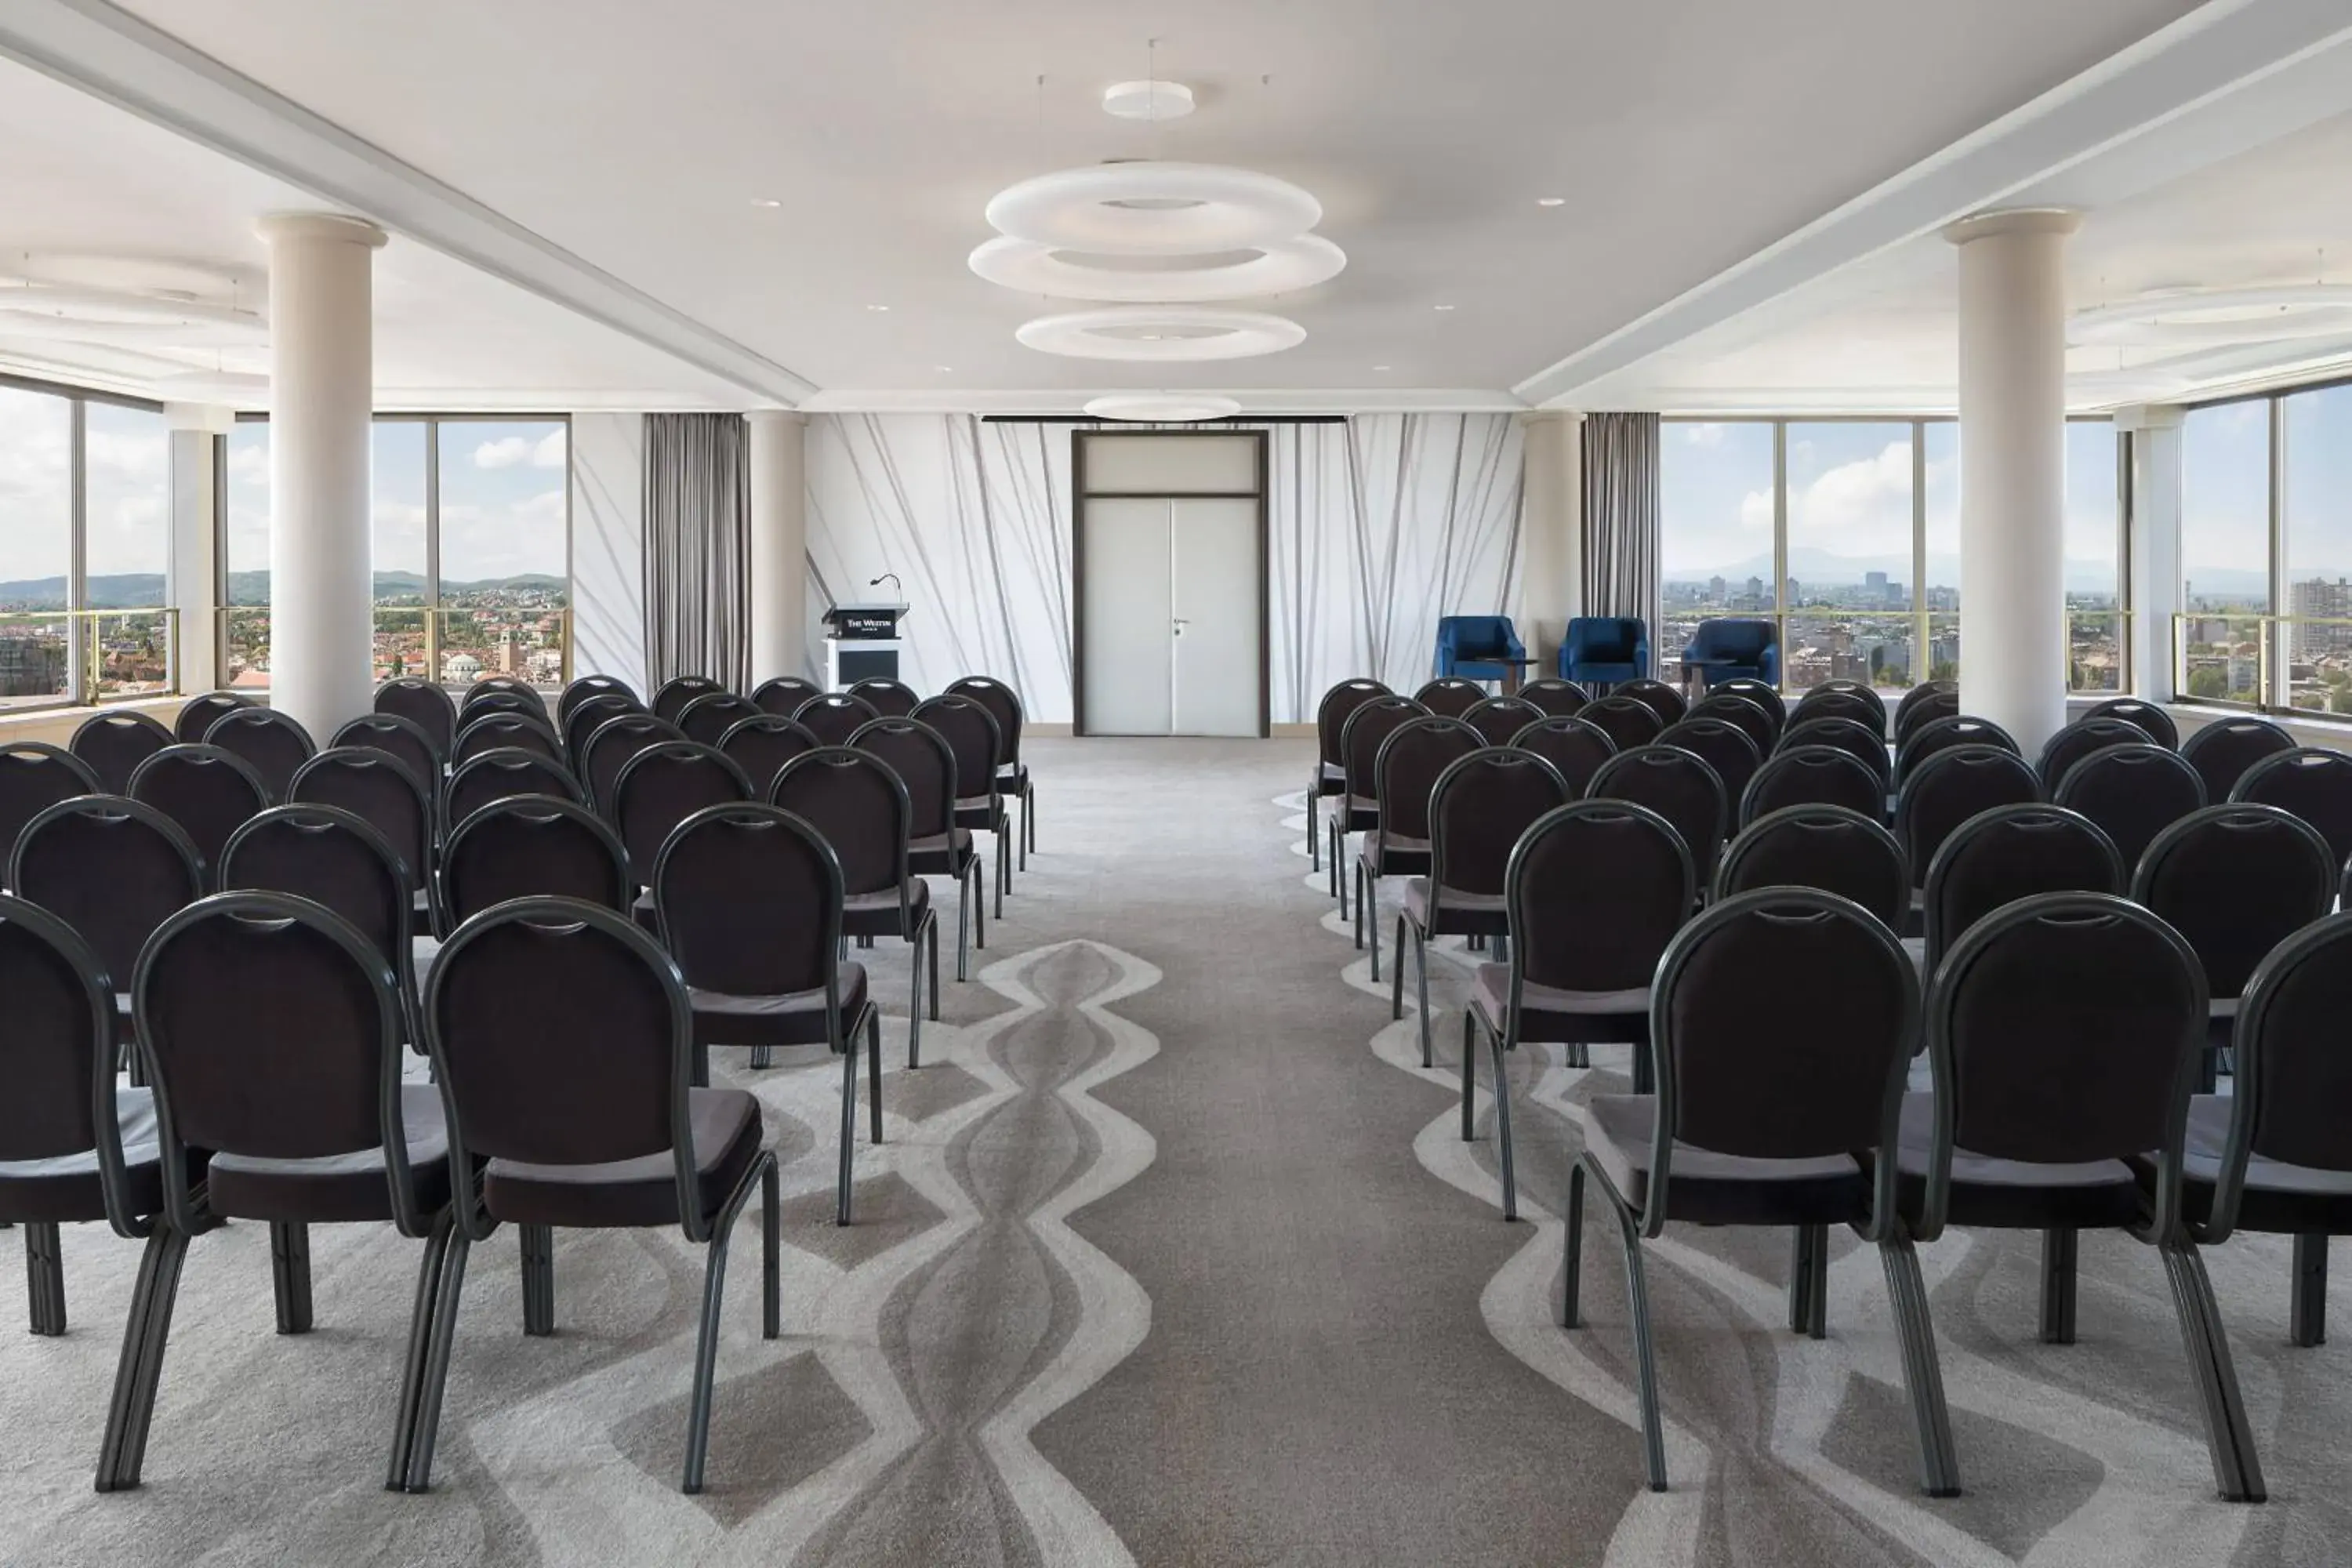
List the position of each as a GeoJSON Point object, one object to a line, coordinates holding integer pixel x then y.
{"type": "Point", "coordinates": [779, 484]}
{"type": "Point", "coordinates": [2013, 470]}
{"type": "Point", "coordinates": [2154, 544]}
{"type": "Point", "coordinates": [195, 581]}
{"type": "Point", "coordinates": [1551, 535]}
{"type": "Point", "coordinates": [321, 396]}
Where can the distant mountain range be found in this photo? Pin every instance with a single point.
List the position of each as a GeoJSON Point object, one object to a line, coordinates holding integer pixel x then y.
{"type": "Point", "coordinates": [1813, 566]}
{"type": "Point", "coordinates": [145, 589]}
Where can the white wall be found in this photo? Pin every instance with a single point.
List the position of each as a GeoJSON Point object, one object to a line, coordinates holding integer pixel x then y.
{"type": "Point", "coordinates": [608, 531]}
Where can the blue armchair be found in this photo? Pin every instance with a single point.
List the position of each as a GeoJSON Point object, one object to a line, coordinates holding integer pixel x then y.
{"type": "Point", "coordinates": [1605, 649]}
{"type": "Point", "coordinates": [1727, 649]}
{"type": "Point", "coordinates": [1474, 647]}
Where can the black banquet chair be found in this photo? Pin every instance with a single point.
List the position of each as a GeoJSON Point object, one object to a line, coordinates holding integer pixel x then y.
{"type": "Point", "coordinates": [926, 764]}
{"type": "Point", "coordinates": [2009, 853]}
{"type": "Point", "coordinates": [533, 845]}
{"type": "Point", "coordinates": [708, 716]}
{"type": "Point", "coordinates": [496, 776]}
{"type": "Point", "coordinates": [200, 713]}
{"type": "Point", "coordinates": [400, 739]}
{"type": "Point", "coordinates": [423, 704]}
{"type": "Point", "coordinates": [1927, 739]}
{"type": "Point", "coordinates": [671, 699]}
{"type": "Point", "coordinates": [1830, 848]}
{"type": "Point", "coordinates": [1366, 729]}
{"type": "Point", "coordinates": [834, 717]}
{"type": "Point", "coordinates": [1626, 721]}
{"type": "Point", "coordinates": [1450, 696]}
{"type": "Point", "coordinates": [784, 694]}
{"type": "Point", "coordinates": [1680, 786]}
{"type": "Point", "coordinates": [274, 745]}
{"type": "Point", "coordinates": [1923, 703]}
{"type": "Point", "coordinates": [1721, 745]}
{"type": "Point", "coordinates": [1842, 699]}
{"type": "Point", "coordinates": [1559, 698]}
{"type": "Point", "coordinates": [1658, 696]}
{"type": "Point", "coordinates": [34, 775]}
{"type": "Point", "coordinates": [378, 791]}
{"type": "Point", "coordinates": [1573, 747]}
{"type": "Point", "coordinates": [970, 731]}
{"type": "Point", "coordinates": [2079, 740]}
{"type": "Point", "coordinates": [2314, 784]}
{"type": "Point", "coordinates": [585, 717]}
{"type": "Point", "coordinates": [1406, 771]}
{"type": "Point", "coordinates": [502, 730]}
{"type": "Point", "coordinates": [2222, 751]}
{"type": "Point", "coordinates": [113, 870]}
{"type": "Point", "coordinates": [763, 744]}
{"type": "Point", "coordinates": [112, 745]}
{"type": "Point", "coordinates": [610, 747]}
{"type": "Point", "coordinates": [546, 992]}
{"type": "Point", "coordinates": [1852, 736]}
{"type": "Point", "coordinates": [2152, 720]}
{"type": "Point", "coordinates": [2133, 792]}
{"type": "Point", "coordinates": [1330, 779]}
{"type": "Point", "coordinates": [505, 698]}
{"type": "Point", "coordinates": [1813, 775]}
{"type": "Point", "coordinates": [207, 791]}
{"type": "Point", "coordinates": [1012, 780]}
{"type": "Point", "coordinates": [1951, 787]}
{"type": "Point", "coordinates": [1743, 707]}
{"type": "Point", "coordinates": [663, 785]}
{"type": "Point", "coordinates": [891, 698]}
{"type": "Point", "coordinates": [1499, 719]}
{"type": "Point", "coordinates": [587, 688]}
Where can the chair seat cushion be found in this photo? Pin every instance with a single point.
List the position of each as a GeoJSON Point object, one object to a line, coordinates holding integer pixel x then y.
{"type": "Point", "coordinates": [1463, 914]}
{"type": "Point", "coordinates": [2279, 1197]}
{"type": "Point", "coordinates": [331, 1188]}
{"type": "Point", "coordinates": [725, 1125]}
{"type": "Point", "coordinates": [941, 854]}
{"type": "Point", "coordinates": [63, 1188]}
{"type": "Point", "coordinates": [2015, 1194]}
{"type": "Point", "coordinates": [1712, 1188]}
{"type": "Point", "coordinates": [1394, 854]}
{"type": "Point", "coordinates": [791, 1018]}
{"type": "Point", "coordinates": [878, 913]}
{"type": "Point", "coordinates": [1551, 1016]}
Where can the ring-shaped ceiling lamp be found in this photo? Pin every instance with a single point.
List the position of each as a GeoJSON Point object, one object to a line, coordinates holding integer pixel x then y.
{"type": "Point", "coordinates": [1163, 407]}
{"type": "Point", "coordinates": [1284, 267]}
{"type": "Point", "coordinates": [2205, 318]}
{"type": "Point", "coordinates": [1161, 334]}
{"type": "Point", "coordinates": [1154, 209]}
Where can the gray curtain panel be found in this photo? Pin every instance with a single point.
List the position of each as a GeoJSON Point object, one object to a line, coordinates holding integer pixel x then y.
{"type": "Point", "coordinates": [697, 549]}
{"type": "Point", "coordinates": [1621, 517]}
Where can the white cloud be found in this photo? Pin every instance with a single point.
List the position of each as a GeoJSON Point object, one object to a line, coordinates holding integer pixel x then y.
{"type": "Point", "coordinates": [516, 451]}
{"type": "Point", "coordinates": [1702, 435]}
{"type": "Point", "coordinates": [1756, 510]}
{"type": "Point", "coordinates": [1865, 494]}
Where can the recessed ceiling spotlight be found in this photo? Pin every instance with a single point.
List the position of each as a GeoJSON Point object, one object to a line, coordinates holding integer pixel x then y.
{"type": "Point", "coordinates": [1440, 307]}
{"type": "Point", "coordinates": [1380, 367]}
{"type": "Point", "coordinates": [766, 202]}
{"type": "Point", "coordinates": [1551, 201]}
{"type": "Point", "coordinates": [878, 307]}
{"type": "Point", "coordinates": [944, 369]}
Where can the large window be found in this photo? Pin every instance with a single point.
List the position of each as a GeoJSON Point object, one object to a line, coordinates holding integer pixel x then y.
{"type": "Point", "coordinates": [1716, 547]}
{"type": "Point", "coordinates": [84, 567]}
{"type": "Point", "coordinates": [2225, 550]}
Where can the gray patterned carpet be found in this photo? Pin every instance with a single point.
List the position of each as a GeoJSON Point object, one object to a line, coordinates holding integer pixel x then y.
{"type": "Point", "coordinates": [1174, 1255]}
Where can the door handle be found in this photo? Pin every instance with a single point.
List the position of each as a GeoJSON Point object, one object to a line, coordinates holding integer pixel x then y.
{"type": "Point", "coordinates": [1177, 627]}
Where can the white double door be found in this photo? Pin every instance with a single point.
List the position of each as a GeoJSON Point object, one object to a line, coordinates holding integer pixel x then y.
{"type": "Point", "coordinates": [1172, 619]}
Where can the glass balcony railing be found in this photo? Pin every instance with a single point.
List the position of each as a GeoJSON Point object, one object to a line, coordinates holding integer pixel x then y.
{"type": "Point", "coordinates": [1896, 649]}
{"type": "Point", "coordinates": [55, 658]}
{"type": "Point", "coordinates": [2288, 664]}
{"type": "Point", "coordinates": [454, 645]}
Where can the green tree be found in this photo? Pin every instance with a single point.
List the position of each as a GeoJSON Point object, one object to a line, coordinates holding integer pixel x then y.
{"type": "Point", "coordinates": [2209, 683]}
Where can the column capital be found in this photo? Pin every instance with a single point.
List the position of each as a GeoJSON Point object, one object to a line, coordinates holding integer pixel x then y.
{"type": "Point", "coordinates": [274, 227]}
{"type": "Point", "coordinates": [210, 418]}
{"type": "Point", "coordinates": [2013, 220]}
{"type": "Point", "coordinates": [2150, 417]}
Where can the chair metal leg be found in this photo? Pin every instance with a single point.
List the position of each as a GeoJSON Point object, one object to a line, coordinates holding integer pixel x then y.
{"type": "Point", "coordinates": [2059, 1246]}
{"type": "Point", "coordinates": [762, 1059]}
{"type": "Point", "coordinates": [1396, 984]}
{"type": "Point", "coordinates": [874, 1068]}
{"type": "Point", "coordinates": [1809, 1281]}
{"type": "Point", "coordinates": [1314, 844]}
{"type": "Point", "coordinates": [963, 929]}
{"type": "Point", "coordinates": [772, 1225]}
{"type": "Point", "coordinates": [141, 1368]}
{"type": "Point", "coordinates": [1338, 835]}
{"type": "Point", "coordinates": [1923, 1374]}
{"type": "Point", "coordinates": [1421, 979]}
{"type": "Point", "coordinates": [448, 1289]}
{"type": "Point", "coordinates": [1645, 1358]}
{"type": "Point", "coordinates": [915, 1000]}
{"type": "Point", "coordinates": [1003, 865]}
{"type": "Point", "coordinates": [45, 1277]}
{"type": "Point", "coordinates": [1469, 1075]}
{"type": "Point", "coordinates": [978, 909]}
{"type": "Point", "coordinates": [848, 1126]}
{"type": "Point", "coordinates": [289, 1275]}
{"type": "Point", "coordinates": [1646, 1070]}
{"type": "Point", "coordinates": [1572, 1314]}
{"type": "Point", "coordinates": [706, 1349]}
{"type": "Point", "coordinates": [420, 1336]}
{"type": "Point", "coordinates": [2228, 1436]}
{"type": "Point", "coordinates": [1356, 880]}
{"type": "Point", "coordinates": [935, 966]}
{"type": "Point", "coordinates": [538, 1279]}
{"type": "Point", "coordinates": [1496, 1046]}
{"type": "Point", "coordinates": [2306, 1313]}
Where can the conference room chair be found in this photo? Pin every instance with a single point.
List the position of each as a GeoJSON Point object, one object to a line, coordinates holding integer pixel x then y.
{"type": "Point", "coordinates": [273, 744]}
{"type": "Point", "coordinates": [1680, 786]}
{"type": "Point", "coordinates": [1842, 699]}
{"type": "Point", "coordinates": [784, 694]}
{"type": "Point", "coordinates": [2271, 1156]}
{"type": "Point", "coordinates": [504, 730]}
{"type": "Point", "coordinates": [208, 791]}
{"type": "Point", "coordinates": [1450, 697]}
{"type": "Point", "coordinates": [112, 745]}
{"type": "Point", "coordinates": [483, 701]}
{"type": "Point", "coordinates": [423, 704]}
{"type": "Point", "coordinates": [708, 716]}
{"type": "Point", "coordinates": [2133, 792]}
{"type": "Point", "coordinates": [2315, 785]}
{"type": "Point", "coordinates": [2145, 716]}
{"type": "Point", "coordinates": [34, 775]}
{"type": "Point", "coordinates": [1942, 734]}
{"type": "Point", "coordinates": [2079, 740]}
{"type": "Point", "coordinates": [200, 713]}
{"type": "Point", "coordinates": [834, 716]}
{"type": "Point", "coordinates": [586, 688]}
{"type": "Point", "coordinates": [1628, 721]}
{"type": "Point", "coordinates": [1575, 748]}
{"type": "Point", "coordinates": [583, 719]}
{"type": "Point", "coordinates": [663, 785]}
{"type": "Point", "coordinates": [1659, 697]}
{"type": "Point", "coordinates": [1762, 693]}
{"type": "Point", "coordinates": [532, 846]}
{"type": "Point", "coordinates": [378, 791]}
{"type": "Point", "coordinates": [1777, 1102]}
{"type": "Point", "coordinates": [859, 805]}
{"type": "Point", "coordinates": [2074, 989]}
{"type": "Point", "coordinates": [1366, 729]}
{"type": "Point", "coordinates": [1330, 778]}
{"type": "Point", "coordinates": [499, 775]}
{"type": "Point", "coordinates": [671, 698]}
{"type": "Point", "coordinates": [1013, 780]}
{"type": "Point", "coordinates": [1726, 647]}
{"type": "Point", "coordinates": [301, 1106]}
{"type": "Point", "coordinates": [891, 698]}
{"type": "Point", "coordinates": [1603, 650]}
{"type": "Point", "coordinates": [1405, 773]}
{"type": "Point", "coordinates": [748, 898]}
{"type": "Point", "coordinates": [1910, 716]}
{"type": "Point", "coordinates": [1857, 739]}
{"type": "Point", "coordinates": [1559, 698]}
{"type": "Point", "coordinates": [1593, 895]}
{"type": "Point", "coordinates": [1952, 787]}
{"type": "Point", "coordinates": [926, 766]}
{"type": "Point", "coordinates": [1478, 648]}
{"type": "Point", "coordinates": [1813, 775]}
{"type": "Point", "coordinates": [970, 731]}
{"type": "Point", "coordinates": [66, 1119]}
{"type": "Point", "coordinates": [402, 740]}
{"type": "Point", "coordinates": [762, 744]}
{"type": "Point", "coordinates": [337, 861]}
{"type": "Point", "coordinates": [1930, 694]}
{"type": "Point", "coordinates": [1497, 718]}
{"type": "Point", "coordinates": [1760, 725]}
{"type": "Point", "coordinates": [1721, 744]}
{"type": "Point", "coordinates": [2223, 750]}
{"type": "Point", "coordinates": [610, 749]}
{"type": "Point", "coordinates": [2009, 853]}
{"type": "Point", "coordinates": [629, 1144]}
{"type": "Point", "coordinates": [1478, 807]}
{"type": "Point", "coordinates": [1830, 848]}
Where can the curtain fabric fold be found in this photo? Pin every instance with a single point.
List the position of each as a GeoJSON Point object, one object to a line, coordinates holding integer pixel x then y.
{"type": "Point", "coordinates": [1621, 517]}
{"type": "Point", "coordinates": [698, 522]}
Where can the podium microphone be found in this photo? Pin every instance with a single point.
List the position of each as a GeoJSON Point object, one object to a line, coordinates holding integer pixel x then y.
{"type": "Point", "coordinates": [889, 578]}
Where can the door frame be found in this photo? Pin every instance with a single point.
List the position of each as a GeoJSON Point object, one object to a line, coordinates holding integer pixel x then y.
{"type": "Point", "coordinates": [1080, 495]}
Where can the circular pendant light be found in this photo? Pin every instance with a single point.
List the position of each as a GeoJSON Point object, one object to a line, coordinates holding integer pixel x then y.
{"type": "Point", "coordinates": [1153, 100]}
{"type": "Point", "coordinates": [2199, 317]}
{"type": "Point", "coordinates": [1283, 267]}
{"type": "Point", "coordinates": [1161, 334]}
{"type": "Point", "coordinates": [1163, 407]}
{"type": "Point", "coordinates": [1154, 209]}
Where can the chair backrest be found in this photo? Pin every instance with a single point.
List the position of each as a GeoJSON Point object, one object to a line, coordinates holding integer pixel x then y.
{"type": "Point", "coordinates": [110, 868]}
{"type": "Point", "coordinates": [1368, 727]}
{"type": "Point", "coordinates": [1450, 696]}
{"type": "Point", "coordinates": [1910, 715]}
{"type": "Point", "coordinates": [670, 700]}
{"type": "Point", "coordinates": [423, 704]}
{"type": "Point", "coordinates": [748, 898]}
{"type": "Point", "coordinates": [272, 743]}
{"type": "Point", "coordinates": [1760, 692]}
{"type": "Point", "coordinates": [1829, 848]}
{"type": "Point", "coordinates": [1679, 786]}
{"type": "Point", "coordinates": [925, 765]}
{"type": "Point", "coordinates": [708, 716]}
{"type": "Point", "coordinates": [784, 694]}
{"type": "Point", "coordinates": [378, 791]}
{"type": "Point", "coordinates": [2315, 785]}
{"type": "Point", "coordinates": [486, 687]}
{"type": "Point", "coordinates": [1573, 746]}
{"type": "Point", "coordinates": [58, 1052]}
{"type": "Point", "coordinates": [1559, 698]}
{"type": "Point", "coordinates": [1608, 639]}
{"type": "Point", "coordinates": [1842, 700]}
{"type": "Point", "coordinates": [1406, 771]}
{"type": "Point", "coordinates": [1497, 718]}
{"type": "Point", "coordinates": [2289, 1099]}
{"type": "Point", "coordinates": [200, 713]}
{"type": "Point", "coordinates": [272, 1029]}
{"type": "Point", "coordinates": [112, 745]}
{"type": "Point", "coordinates": [2009, 853]}
{"type": "Point", "coordinates": [402, 740]}
{"type": "Point", "coordinates": [1952, 787]}
{"type": "Point", "coordinates": [583, 719]}
{"type": "Point", "coordinates": [2236, 881]}
{"type": "Point", "coordinates": [1813, 775]}
{"type": "Point", "coordinates": [1926, 694]}
{"type": "Point", "coordinates": [663, 785]}
{"type": "Point", "coordinates": [2062, 1029]}
{"type": "Point", "coordinates": [891, 698]}
{"type": "Point", "coordinates": [1855, 739]}
{"type": "Point", "coordinates": [207, 791]}
{"type": "Point", "coordinates": [482, 699]}
{"type": "Point", "coordinates": [501, 774]}
{"type": "Point", "coordinates": [1331, 714]}
{"type": "Point", "coordinates": [332, 857]}
{"type": "Point", "coordinates": [1721, 744]}
{"type": "Point", "coordinates": [611, 746]}
{"type": "Point", "coordinates": [834, 716]}
{"type": "Point", "coordinates": [1003, 705]}
{"type": "Point", "coordinates": [970, 730]}
{"type": "Point", "coordinates": [1627, 720]}
{"type": "Point", "coordinates": [2158, 724]}
{"type": "Point", "coordinates": [1480, 805]}
{"type": "Point", "coordinates": [34, 775]}
{"type": "Point", "coordinates": [1758, 723]}
{"type": "Point", "coordinates": [2133, 792]}
{"type": "Point", "coordinates": [763, 744]}
{"type": "Point", "coordinates": [584, 688]}
{"type": "Point", "coordinates": [2079, 740]}
{"type": "Point", "coordinates": [1925, 739]}
{"type": "Point", "coordinates": [533, 846]}
{"type": "Point", "coordinates": [1474, 637]}
{"type": "Point", "coordinates": [859, 805]}
{"type": "Point", "coordinates": [1594, 892]}
{"type": "Point", "coordinates": [1656, 695]}
{"type": "Point", "coordinates": [504, 730]}
{"type": "Point", "coordinates": [2222, 751]}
